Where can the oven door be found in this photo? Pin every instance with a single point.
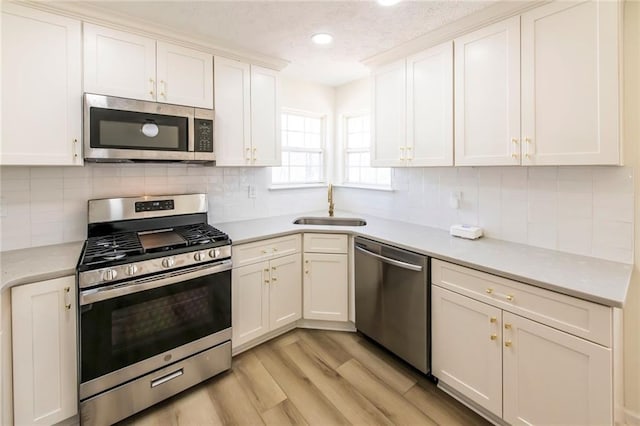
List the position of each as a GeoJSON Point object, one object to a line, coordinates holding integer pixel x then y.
{"type": "Point", "coordinates": [131, 328]}
{"type": "Point", "coordinates": [128, 129]}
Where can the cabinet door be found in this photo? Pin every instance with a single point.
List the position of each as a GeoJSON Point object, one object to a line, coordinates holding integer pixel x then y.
{"type": "Point", "coordinates": [41, 88]}
{"type": "Point", "coordinates": [265, 117]}
{"type": "Point", "coordinates": [487, 98]}
{"type": "Point", "coordinates": [466, 347]}
{"type": "Point", "coordinates": [570, 88]}
{"type": "Point", "coordinates": [117, 63]}
{"type": "Point", "coordinates": [250, 301]}
{"type": "Point", "coordinates": [551, 377]}
{"type": "Point", "coordinates": [185, 76]}
{"type": "Point", "coordinates": [233, 113]}
{"type": "Point", "coordinates": [325, 286]}
{"type": "Point", "coordinates": [430, 107]}
{"type": "Point", "coordinates": [45, 377]}
{"type": "Point", "coordinates": [285, 291]}
{"type": "Point", "coordinates": [388, 131]}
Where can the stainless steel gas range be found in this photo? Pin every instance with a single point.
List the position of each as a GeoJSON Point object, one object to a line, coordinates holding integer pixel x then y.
{"type": "Point", "coordinates": [155, 303]}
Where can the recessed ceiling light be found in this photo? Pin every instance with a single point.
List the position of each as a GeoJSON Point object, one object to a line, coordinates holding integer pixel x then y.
{"type": "Point", "coordinates": [322, 38]}
{"type": "Point", "coordinates": [388, 2]}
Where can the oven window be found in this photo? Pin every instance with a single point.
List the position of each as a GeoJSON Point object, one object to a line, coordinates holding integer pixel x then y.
{"type": "Point", "coordinates": [117, 333]}
{"type": "Point", "coordinates": [136, 130]}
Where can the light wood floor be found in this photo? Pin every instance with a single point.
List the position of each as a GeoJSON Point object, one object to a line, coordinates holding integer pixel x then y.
{"type": "Point", "coordinates": [312, 377]}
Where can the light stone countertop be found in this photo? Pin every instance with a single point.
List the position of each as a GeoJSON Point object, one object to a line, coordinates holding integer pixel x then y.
{"type": "Point", "coordinates": [34, 264]}
{"type": "Point", "coordinates": [588, 278]}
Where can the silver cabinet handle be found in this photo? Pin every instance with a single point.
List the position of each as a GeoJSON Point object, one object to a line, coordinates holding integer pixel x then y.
{"type": "Point", "coordinates": [168, 377]}
{"type": "Point", "coordinates": [394, 262]}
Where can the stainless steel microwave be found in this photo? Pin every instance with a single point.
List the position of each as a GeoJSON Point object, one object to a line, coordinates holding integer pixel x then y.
{"type": "Point", "coordinates": [122, 130]}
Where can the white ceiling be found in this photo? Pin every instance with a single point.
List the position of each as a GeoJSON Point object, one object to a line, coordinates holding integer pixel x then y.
{"type": "Point", "coordinates": [282, 29]}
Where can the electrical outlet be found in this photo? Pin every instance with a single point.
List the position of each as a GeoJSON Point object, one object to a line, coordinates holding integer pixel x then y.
{"type": "Point", "coordinates": [251, 191]}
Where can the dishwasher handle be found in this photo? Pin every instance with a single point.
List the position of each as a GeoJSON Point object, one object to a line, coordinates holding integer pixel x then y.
{"type": "Point", "coordinates": [404, 265]}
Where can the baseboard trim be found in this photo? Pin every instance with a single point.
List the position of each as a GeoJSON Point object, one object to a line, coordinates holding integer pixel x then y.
{"type": "Point", "coordinates": [631, 418]}
{"type": "Point", "coordinates": [326, 325]}
{"type": "Point", "coordinates": [471, 405]}
{"type": "Point", "coordinates": [237, 350]}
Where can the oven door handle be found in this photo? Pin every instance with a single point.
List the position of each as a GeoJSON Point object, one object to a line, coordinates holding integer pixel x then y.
{"type": "Point", "coordinates": [129, 287]}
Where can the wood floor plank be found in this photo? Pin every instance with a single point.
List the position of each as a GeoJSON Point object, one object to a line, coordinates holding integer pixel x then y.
{"type": "Point", "coordinates": [286, 339]}
{"type": "Point", "coordinates": [329, 350]}
{"type": "Point", "coordinates": [312, 404]}
{"type": "Point", "coordinates": [284, 414]}
{"type": "Point", "coordinates": [258, 384]}
{"type": "Point", "coordinates": [231, 402]}
{"type": "Point", "coordinates": [389, 373]}
{"type": "Point", "coordinates": [351, 403]}
{"type": "Point", "coordinates": [391, 403]}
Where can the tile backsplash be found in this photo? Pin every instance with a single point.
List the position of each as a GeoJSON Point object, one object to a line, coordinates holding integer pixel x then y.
{"type": "Point", "coordinates": [582, 210]}
{"type": "Point", "coordinates": [48, 205]}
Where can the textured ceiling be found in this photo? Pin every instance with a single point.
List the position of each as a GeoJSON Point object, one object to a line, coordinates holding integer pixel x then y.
{"type": "Point", "coordinates": [282, 29]}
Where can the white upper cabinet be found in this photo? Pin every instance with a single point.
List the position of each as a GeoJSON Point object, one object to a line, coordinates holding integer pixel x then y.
{"type": "Point", "coordinates": [185, 76]}
{"type": "Point", "coordinates": [117, 63]}
{"type": "Point", "coordinates": [541, 88]}
{"type": "Point", "coordinates": [413, 110]}
{"type": "Point", "coordinates": [247, 130]}
{"type": "Point", "coordinates": [487, 95]}
{"type": "Point", "coordinates": [388, 132]}
{"type": "Point", "coordinates": [430, 107]}
{"type": "Point", "coordinates": [41, 88]}
{"type": "Point", "coordinates": [570, 84]}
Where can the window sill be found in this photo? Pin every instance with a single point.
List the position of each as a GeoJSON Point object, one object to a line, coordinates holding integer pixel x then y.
{"type": "Point", "coordinates": [372, 188]}
{"type": "Point", "coordinates": [300, 186]}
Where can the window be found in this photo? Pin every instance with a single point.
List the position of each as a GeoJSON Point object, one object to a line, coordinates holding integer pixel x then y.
{"type": "Point", "coordinates": [302, 150]}
{"type": "Point", "coordinates": [357, 158]}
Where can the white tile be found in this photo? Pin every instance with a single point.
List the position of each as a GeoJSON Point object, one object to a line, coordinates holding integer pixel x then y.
{"type": "Point", "coordinates": [541, 211]}
{"type": "Point", "coordinates": [47, 184]}
{"type": "Point", "coordinates": [106, 170]}
{"type": "Point", "coordinates": [196, 171]}
{"type": "Point", "coordinates": [155, 170]}
{"type": "Point", "coordinates": [542, 189]}
{"type": "Point", "coordinates": [50, 195]}
{"type": "Point", "coordinates": [614, 206]}
{"type": "Point", "coordinates": [77, 172]}
{"type": "Point", "coordinates": [613, 179]}
{"type": "Point", "coordinates": [46, 172]}
{"type": "Point", "coordinates": [81, 182]}
{"type": "Point", "coordinates": [582, 173]}
{"type": "Point", "coordinates": [575, 186]}
{"type": "Point", "coordinates": [575, 236]}
{"type": "Point", "coordinates": [574, 205]}
{"type": "Point", "coordinates": [132, 170]}
{"type": "Point", "coordinates": [13, 172]}
{"type": "Point", "coordinates": [542, 234]}
{"type": "Point", "coordinates": [514, 178]}
{"type": "Point", "coordinates": [542, 173]}
{"type": "Point", "coordinates": [611, 234]}
{"type": "Point", "coordinates": [22, 185]}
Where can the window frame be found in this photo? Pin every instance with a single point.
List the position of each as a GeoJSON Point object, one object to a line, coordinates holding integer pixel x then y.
{"type": "Point", "coordinates": [322, 150]}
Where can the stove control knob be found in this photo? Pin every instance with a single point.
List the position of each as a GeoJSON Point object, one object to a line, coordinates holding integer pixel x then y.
{"type": "Point", "coordinates": [214, 253]}
{"type": "Point", "coordinates": [109, 275]}
{"type": "Point", "coordinates": [131, 270]}
{"type": "Point", "coordinates": [168, 262]}
{"type": "Point", "coordinates": [199, 256]}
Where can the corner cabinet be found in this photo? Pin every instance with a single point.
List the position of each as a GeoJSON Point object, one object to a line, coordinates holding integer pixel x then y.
{"type": "Point", "coordinates": [326, 277]}
{"type": "Point", "coordinates": [265, 287]}
{"type": "Point", "coordinates": [45, 368]}
{"type": "Point", "coordinates": [247, 130]}
{"type": "Point", "coordinates": [541, 88]}
{"type": "Point", "coordinates": [118, 63]}
{"type": "Point", "coordinates": [538, 357]}
{"type": "Point", "coordinates": [41, 88]}
{"type": "Point", "coordinates": [413, 110]}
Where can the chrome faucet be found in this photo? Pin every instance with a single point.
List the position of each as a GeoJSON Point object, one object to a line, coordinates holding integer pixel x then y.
{"type": "Point", "coordinates": [331, 205]}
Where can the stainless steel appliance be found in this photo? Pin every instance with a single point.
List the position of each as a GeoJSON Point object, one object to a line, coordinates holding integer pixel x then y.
{"type": "Point", "coordinates": [155, 303]}
{"type": "Point", "coordinates": [121, 130]}
{"type": "Point", "coordinates": [392, 300]}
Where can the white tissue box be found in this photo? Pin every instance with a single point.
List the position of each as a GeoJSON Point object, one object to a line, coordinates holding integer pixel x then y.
{"type": "Point", "coordinates": [466, 231]}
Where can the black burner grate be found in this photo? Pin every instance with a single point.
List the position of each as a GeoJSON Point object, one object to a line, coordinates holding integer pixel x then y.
{"type": "Point", "coordinates": [201, 234]}
{"type": "Point", "coordinates": [112, 247]}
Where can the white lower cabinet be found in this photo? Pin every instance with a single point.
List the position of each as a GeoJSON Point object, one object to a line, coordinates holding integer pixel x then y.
{"type": "Point", "coordinates": [325, 286]}
{"type": "Point", "coordinates": [265, 296]}
{"type": "Point", "coordinates": [45, 369]}
{"type": "Point", "coordinates": [518, 369]}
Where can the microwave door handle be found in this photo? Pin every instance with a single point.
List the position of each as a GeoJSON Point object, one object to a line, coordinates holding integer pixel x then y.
{"type": "Point", "coordinates": [103, 293]}
{"type": "Point", "coordinates": [393, 262]}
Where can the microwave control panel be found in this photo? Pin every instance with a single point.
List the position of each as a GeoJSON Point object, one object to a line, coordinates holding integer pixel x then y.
{"type": "Point", "coordinates": [203, 135]}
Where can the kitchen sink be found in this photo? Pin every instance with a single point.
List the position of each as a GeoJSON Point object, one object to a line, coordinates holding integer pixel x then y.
{"type": "Point", "coordinates": [336, 221]}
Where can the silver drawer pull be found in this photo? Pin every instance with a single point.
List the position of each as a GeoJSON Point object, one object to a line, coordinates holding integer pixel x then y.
{"type": "Point", "coordinates": [168, 377]}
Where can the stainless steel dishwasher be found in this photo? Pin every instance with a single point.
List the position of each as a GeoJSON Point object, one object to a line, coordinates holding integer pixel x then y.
{"type": "Point", "coordinates": [392, 300]}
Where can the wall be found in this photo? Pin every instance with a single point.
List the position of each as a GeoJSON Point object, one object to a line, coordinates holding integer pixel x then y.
{"type": "Point", "coordinates": [48, 205]}
{"type": "Point", "coordinates": [632, 157]}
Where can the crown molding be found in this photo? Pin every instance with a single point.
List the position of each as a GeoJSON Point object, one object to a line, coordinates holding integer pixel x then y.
{"type": "Point", "coordinates": [482, 18]}
{"type": "Point", "coordinates": [95, 14]}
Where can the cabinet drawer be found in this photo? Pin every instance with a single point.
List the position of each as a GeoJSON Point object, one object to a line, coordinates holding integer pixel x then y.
{"type": "Point", "coordinates": [576, 316]}
{"type": "Point", "coordinates": [245, 254]}
{"type": "Point", "coordinates": [326, 243]}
